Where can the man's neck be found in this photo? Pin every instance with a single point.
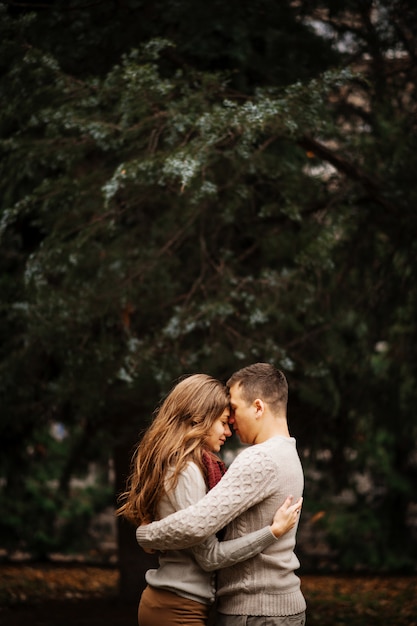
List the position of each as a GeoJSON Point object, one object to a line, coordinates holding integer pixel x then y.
{"type": "Point", "coordinates": [277, 427]}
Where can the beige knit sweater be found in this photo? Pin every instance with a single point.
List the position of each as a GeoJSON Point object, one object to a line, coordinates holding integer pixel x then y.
{"type": "Point", "coordinates": [189, 572]}
{"type": "Point", "coordinates": [245, 500]}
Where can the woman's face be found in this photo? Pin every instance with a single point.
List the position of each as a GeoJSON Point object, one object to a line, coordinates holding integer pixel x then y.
{"type": "Point", "coordinates": [219, 431]}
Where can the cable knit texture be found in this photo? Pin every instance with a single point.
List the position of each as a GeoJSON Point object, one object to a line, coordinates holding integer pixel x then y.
{"type": "Point", "coordinates": [246, 498]}
{"type": "Point", "coordinates": [188, 572]}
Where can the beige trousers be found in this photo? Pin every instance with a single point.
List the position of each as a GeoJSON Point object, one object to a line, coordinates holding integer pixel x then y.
{"type": "Point", "coordinates": [158, 607]}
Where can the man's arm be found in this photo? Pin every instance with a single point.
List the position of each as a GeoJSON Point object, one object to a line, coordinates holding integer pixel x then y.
{"type": "Point", "coordinates": [212, 554]}
{"type": "Point", "coordinates": [248, 481]}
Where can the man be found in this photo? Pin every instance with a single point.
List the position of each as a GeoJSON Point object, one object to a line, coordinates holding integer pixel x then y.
{"type": "Point", "coordinates": [263, 590]}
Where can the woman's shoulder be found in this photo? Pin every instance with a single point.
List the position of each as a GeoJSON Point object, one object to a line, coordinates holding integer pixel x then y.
{"type": "Point", "coordinates": [190, 486]}
{"type": "Point", "coordinates": [191, 469]}
{"type": "Point", "coordinates": [190, 472]}
{"type": "Point", "coordinates": [189, 466]}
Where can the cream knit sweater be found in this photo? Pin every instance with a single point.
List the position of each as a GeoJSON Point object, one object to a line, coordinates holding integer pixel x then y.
{"type": "Point", "coordinates": [245, 500]}
{"type": "Point", "coordinates": [188, 572]}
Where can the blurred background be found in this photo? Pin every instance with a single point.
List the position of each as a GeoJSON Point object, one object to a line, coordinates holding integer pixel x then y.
{"type": "Point", "coordinates": [192, 187]}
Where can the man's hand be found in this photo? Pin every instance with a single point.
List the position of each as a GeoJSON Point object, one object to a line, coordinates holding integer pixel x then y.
{"type": "Point", "coordinates": [286, 516]}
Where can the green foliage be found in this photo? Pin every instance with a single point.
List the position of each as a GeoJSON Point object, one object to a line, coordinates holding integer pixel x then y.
{"type": "Point", "coordinates": [359, 538]}
{"type": "Point", "coordinates": [40, 513]}
{"type": "Point", "coordinates": [159, 217]}
{"type": "Point", "coordinates": [259, 43]}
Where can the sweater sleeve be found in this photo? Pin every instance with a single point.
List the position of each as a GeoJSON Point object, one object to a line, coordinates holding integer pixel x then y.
{"type": "Point", "coordinates": [247, 482]}
{"type": "Point", "coordinates": [212, 554]}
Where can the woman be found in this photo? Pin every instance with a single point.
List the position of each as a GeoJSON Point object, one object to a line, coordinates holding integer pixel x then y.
{"type": "Point", "coordinates": [174, 465]}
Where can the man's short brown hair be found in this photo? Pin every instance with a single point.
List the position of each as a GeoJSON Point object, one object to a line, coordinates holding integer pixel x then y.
{"type": "Point", "coordinates": [263, 381]}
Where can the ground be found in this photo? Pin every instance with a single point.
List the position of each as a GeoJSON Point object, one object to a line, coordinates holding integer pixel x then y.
{"type": "Point", "coordinates": [74, 595]}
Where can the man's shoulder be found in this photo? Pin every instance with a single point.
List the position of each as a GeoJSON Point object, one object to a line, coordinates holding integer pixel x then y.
{"type": "Point", "coordinates": [267, 452]}
{"type": "Point", "coordinates": [259, 452]}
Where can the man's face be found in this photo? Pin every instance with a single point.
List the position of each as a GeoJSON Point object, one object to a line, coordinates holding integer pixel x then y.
{"type": "Point", "coordinates": [242, 415]}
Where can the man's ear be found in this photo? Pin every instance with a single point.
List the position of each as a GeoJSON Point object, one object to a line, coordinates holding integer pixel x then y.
{"type": "Point", "coordinates": [259, 407]}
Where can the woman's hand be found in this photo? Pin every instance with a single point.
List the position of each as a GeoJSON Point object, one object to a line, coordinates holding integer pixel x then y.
{"type": "Point", "coordinates": [286, 516]}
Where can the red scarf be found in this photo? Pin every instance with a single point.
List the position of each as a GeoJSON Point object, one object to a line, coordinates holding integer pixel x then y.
{"type": "Point", "coordinates": [214, 469]}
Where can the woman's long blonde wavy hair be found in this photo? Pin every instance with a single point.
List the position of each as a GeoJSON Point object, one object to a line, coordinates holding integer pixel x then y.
{"type": "Point", "coordinates": [175, 437]}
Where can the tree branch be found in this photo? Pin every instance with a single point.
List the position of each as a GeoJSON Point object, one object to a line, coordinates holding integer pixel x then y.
{"type": "Point", "coordinates": [349, 169]}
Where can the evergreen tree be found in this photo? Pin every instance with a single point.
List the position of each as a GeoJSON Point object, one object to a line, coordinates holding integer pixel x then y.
{"type": "Point", "coordinates": [161, 217]}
